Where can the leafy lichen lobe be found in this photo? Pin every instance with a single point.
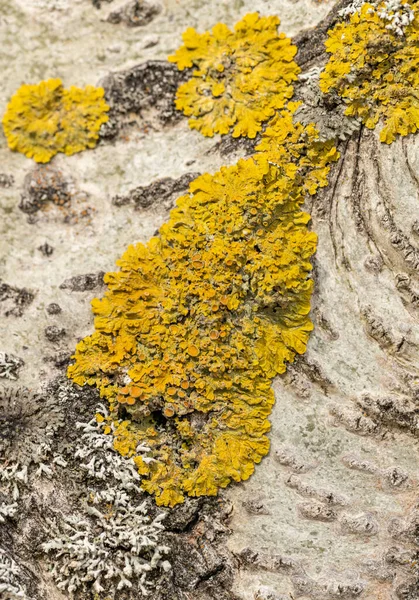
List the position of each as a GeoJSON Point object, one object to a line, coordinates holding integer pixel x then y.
{"type": "Point", "coordinates": [44, 119]}
{"type": "Point", "coordinates": [373, 67]}
{"type": "Point", "coordinates": [240, 77]}
{"type": "Point", "coordinates": [197, 322]}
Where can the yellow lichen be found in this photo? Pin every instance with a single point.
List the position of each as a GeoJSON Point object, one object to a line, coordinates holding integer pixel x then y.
{"type": "Point", "coordinates": [374, 69]}
{"type": "Point", "coordinates": [44, 119]}
{"type": "Point", "coordinates": [239, 79]}
{"type": "Point", "coordinates": [198, 321]}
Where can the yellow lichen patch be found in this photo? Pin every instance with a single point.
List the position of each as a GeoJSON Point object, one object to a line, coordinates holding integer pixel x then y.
{"type": "Point", "coordinates": [240, 77]}
{"type": "Point", "coordinates": [44, 119]}
{"type": "Point", "coordinates": [197, 322]}
{"type": "Point", "coordinates": [373, 67]}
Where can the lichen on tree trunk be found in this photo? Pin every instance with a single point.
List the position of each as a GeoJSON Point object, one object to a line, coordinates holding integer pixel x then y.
{"type": "Point", "coordinates": [333, 511]}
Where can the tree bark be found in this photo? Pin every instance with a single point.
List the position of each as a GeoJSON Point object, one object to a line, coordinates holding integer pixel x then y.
{"type": "Point", "coordinates": [333, 511]}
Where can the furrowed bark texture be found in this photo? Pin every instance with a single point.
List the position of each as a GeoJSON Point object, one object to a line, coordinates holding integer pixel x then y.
{"type": "Point", "coordinates": [333, 511]}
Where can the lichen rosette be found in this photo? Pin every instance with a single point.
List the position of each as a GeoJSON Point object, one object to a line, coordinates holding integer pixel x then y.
{"type": "Point", "coordinates": [44, 119]}
{"type": "Point", "coordinates": [239, 78]}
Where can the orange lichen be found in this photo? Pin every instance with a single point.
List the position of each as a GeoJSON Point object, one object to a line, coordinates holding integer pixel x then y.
{"type": "Point", "coordinates": [196, 323]}
{"type": "Point", "coordinates": [373, 67]}
{"type": "Point", "coordinates": [44, 119]}
{"type": "Point", "coordinates": [240, 78]}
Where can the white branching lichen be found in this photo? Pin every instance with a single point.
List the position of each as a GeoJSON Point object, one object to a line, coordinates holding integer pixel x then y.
{"type": "Point", "coordinates": [9, 366]}
{"type": "Point", "coordinates": [11, 587]}
{"type": "Point", "coordinates": [113, 543]}
{"type": "Point", "coordinates": [7, 510]}
{"type": "Point", "coordinates": [99, 458]}
{"type": "Point", "coordinates": [313, 73]}
{"type": "Point", "coordinates": [398, 14]}
{"type": "Point", "coordinates": [117, 547]}
{"type": "Point", "coordinates": [352, 8]}
{"type": "Point", "coordinates": [12, 477]}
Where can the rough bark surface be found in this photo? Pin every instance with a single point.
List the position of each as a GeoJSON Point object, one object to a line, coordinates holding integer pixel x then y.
{"type": "Point", "coordinates": [333, 511]}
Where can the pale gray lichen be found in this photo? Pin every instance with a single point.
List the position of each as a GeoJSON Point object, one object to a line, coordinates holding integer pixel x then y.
{"type": "Point", "coordinates": [352, 8]}
{"type": "Point", "coordinates": [396, 13]}
{"type": "Point", "coordinates": [325, 111]}
{"type": "Point", "coordinates": [9, 366]}
{"type": "Point", "coordinates": [113, 542]}
{"type": "Point", "coordinates": [27, 425]}
{"type": "Point", "coordinates": [116, 549]}
{"type": "Point", "coordinates": [99, 459]}
{"type": "Point", "coordinates": [7, 510]}
{"type": "Point", "coordinates": [12, 478]}
{"type": "Point", "coordinates": [11, 587]}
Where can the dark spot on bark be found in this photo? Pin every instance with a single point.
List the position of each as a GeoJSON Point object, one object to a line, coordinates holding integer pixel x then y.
{"type": "Point", "coordinates": [136, 13]}
{"type": "Point", "coordinates": [46, 249]}
{"type": "Point", "coordinates": [83, 283]}
{"type": "Point", "coordinates": [163, 191]}
{"type": "Point", "coordinates": [54, 309]}
{"type": "Point", "coordinates": [54, 333]}
{"type": "Point", "coordinates": [13, 300]}
{"type": "Point", "coordinates": [135, 93]}
{"type": "Point", "coordinates": [42, 185]}
{"type": "Point", "coordinates": [6, 181]}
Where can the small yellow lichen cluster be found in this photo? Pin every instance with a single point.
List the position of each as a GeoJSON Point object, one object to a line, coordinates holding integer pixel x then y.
{"type": "Point", "coordinates": [375, 69]}
{"type": "Point", "coordinates": [240, 79]}
{"type": "Point", "coordinates": [197, 322]}
{"type": "Point", "coordinates": [44, 119]}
